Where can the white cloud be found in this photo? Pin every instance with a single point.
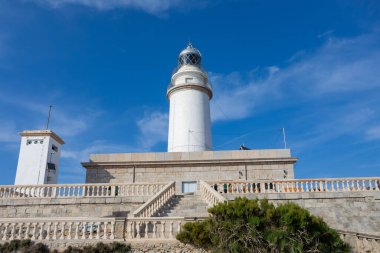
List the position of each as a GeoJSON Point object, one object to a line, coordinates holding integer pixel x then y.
{"type": "Point", "coordinates": [340, 66]}
{"type": "Point", "coordinates": [150, 6]}
{"type": "Point", "coordinates": [344, 71]}
{"type": "Point", "coordinates": [153, 128]}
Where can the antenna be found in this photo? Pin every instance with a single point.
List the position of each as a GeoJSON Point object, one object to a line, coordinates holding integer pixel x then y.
{"type": "Point", "coordinates": [283, 134]}
{"type": "Point", "coordinates": [48, 119]}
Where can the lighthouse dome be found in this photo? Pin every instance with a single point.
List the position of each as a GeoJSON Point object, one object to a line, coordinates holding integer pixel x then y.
{"type": "Point", "coordinates": [189, 56]}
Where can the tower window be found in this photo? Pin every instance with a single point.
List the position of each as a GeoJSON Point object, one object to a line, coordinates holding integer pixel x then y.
{"type": "Point", "coordinates": [54, 148]}
{"type": "Point", "coordinates": [28, 142]}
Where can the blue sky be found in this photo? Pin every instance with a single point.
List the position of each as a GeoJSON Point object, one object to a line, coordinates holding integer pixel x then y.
{"type": "Point", "coordinates": [312, 67]}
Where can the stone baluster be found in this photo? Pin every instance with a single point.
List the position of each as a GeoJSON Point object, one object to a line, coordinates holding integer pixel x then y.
{"type": "Point", "coordinates": [41, 233]}
{"type": "Point", "coordinates": [112, 237]}
{"type": "Point", "coordinates": [27, 231]}
{"type": "Point", "coordinates": [76, 237]}
{"type": "Point", "coordinates": [162, 235]}
{"type": "Point", "coordinates": [4, 238]}
{"type": "Point", "coordinates": [84, 228]}
{"type": "Point", "coordinates": [179, 226]}
{"type": "Point", "coordinates": [19, 236]}
{"type": "Point", "coordinates": [154, 229]}
{"type": "Point", "coordinates": [70, 230]}
{"type": "Point", "coordinates": [132, 229]}
{"type": "Point", "coordinates": [146, 224]}
{"type": "Point", "coordinates": [48, 231]}
{"type": "Point", "coordinates": [98, 227]}
{"type": "Point", "coordinates": [104, 237]}
{"type": "Point", "coordinates": [62, 231]}
{"type": "Point", "coordinates": [55, 230]}
{"type": "Point", "coordinates": [91, 230]}
{"type": "Point", "coordinates": [171, 230]}
{"type": "Point", "coordinates": [357, 186]}
{"type": "Point", "coordinates": [12, 237]}
{"type": "Point", "coordinates": [34, 231]}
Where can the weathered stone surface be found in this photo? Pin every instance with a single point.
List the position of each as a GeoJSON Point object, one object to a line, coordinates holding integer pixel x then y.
{"type": "Point", "coordinates": [71, 207]}
{"type": "Point", "coordinates": [193, 166]}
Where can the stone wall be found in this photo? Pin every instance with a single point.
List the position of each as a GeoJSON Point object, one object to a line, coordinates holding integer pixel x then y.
{"type": "Point", "coordinates": [190, 166]}
{"type": "Point", "coordinates": [70, 207]}
{"type": "Point", "coordinates": [347, 211]}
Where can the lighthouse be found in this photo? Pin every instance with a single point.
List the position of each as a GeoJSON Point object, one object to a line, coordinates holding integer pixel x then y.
{"type": "Point", "coordinates": [189, 94]}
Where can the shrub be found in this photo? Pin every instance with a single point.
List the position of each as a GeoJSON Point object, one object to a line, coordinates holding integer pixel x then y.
{"type": "Point", "coordinates": [245, 225]}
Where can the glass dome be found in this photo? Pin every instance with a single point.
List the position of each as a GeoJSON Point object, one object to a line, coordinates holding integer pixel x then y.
{"type": "Point", "coordinates": [189, 56]}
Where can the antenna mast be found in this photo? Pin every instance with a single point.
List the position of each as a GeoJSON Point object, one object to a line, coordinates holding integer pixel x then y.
{"type": "Point", "coordinates": [283, 134]}
{"type": "Point", "coordinates": [48, 119]}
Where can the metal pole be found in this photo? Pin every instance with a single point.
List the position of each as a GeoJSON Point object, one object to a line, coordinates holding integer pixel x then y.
{"type": "Point", "coordinates": [283, 133]}
{"type": "Point", "coordinates": [48, 119]}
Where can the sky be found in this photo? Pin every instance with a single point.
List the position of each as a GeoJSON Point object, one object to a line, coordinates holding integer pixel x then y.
{"type": "Point", "coordinates": [310, 67]}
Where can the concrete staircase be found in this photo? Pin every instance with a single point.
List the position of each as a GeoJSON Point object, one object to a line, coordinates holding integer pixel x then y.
{"type": "Point", "coordinates": [188, 205]}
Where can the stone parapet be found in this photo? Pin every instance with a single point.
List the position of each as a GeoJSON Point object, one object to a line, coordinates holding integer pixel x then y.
{"type": "Point", "coordinates": [190, 166]}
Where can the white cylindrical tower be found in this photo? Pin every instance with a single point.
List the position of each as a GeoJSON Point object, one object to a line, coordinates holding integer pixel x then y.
{"type": "Point", "coordinates": [189, 94]}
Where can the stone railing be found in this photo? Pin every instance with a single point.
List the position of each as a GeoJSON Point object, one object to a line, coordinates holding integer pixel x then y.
{"type": "Point", "coordinates": [361, 242]}
{"type": "Point", "coordinates": [211, 196]}
{"type": "Point", "coordinates": [297, 185]}
{"type": "Point", "coordinates": [155, 203]}
{"type": "Point", "coordinates": [57, 229]}
{"type": "Point", "coordinates": [160, 228]}
{"type": "Point", "coordinates": [79, 190]}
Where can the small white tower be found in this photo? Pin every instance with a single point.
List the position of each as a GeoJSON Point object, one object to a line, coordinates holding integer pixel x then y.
{"type": "Point", "coordinates": [189, 94]}
{"type": "Point", "coordinates": [40, 151]}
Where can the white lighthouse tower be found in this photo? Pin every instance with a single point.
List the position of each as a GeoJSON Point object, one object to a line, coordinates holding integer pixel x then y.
{"type": "Point", "coordinates": [189, 94]}
{"type": "Point", "coordinates": [40, 151]}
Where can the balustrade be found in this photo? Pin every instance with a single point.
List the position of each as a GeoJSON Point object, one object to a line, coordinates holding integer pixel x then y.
{"type": "Point", "coordinates": [154, 204]}
{"type": "Point", "coordinates": [57, 229]}
{"type": "Point", "coordinates": [160, 228]}
{"type": "Point", "coordinates": [361, 242]}
{"type": "Point", "coordinates": [79, 190]}
{"type": "Point", "coordinates": [211, 196]}
{"type": "Point", "coordinates": [297, 185]}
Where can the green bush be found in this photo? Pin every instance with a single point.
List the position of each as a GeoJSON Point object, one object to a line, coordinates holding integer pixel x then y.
{"type": "Point", "coordinates": [245, 225]}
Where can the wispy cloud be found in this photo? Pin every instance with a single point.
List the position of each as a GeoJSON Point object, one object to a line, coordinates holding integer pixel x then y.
{"type": "Point", "coordinates": [65, 121]}
{"type": "Point", "coordinates": [95, 147]}
{"type": "Point", "coordinates": [373, 133]}
{"type": "Point", "coordinates": [153, 129]}
{"type": "Point", "coordinates": [8, 132]}
{"type": "Point", "coordinates": [342, 71]}
{"type": "Point", "coordinates": [150, 6]}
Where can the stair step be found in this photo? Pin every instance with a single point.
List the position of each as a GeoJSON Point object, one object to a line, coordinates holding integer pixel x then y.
{"type": "Point", "coordinates": [188, 205]}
